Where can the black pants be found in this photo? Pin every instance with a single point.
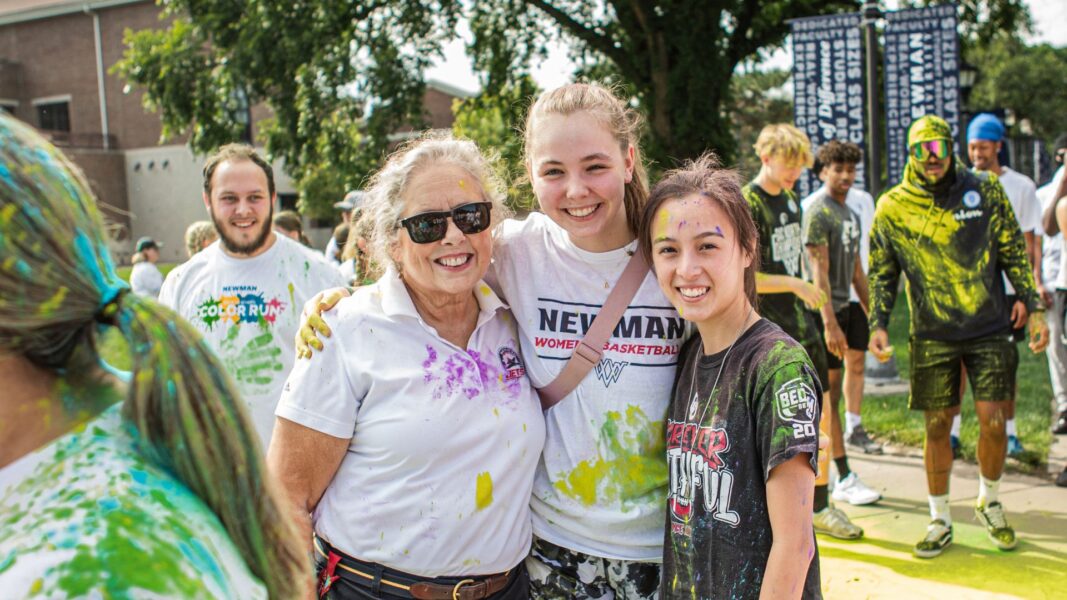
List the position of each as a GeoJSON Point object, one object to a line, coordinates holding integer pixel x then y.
{"type": "Point", "coordinates": [346, 585]}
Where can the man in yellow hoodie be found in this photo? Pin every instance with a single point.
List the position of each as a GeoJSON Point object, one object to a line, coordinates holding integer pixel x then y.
{"type": "Point", "coordinates": [950, 233]}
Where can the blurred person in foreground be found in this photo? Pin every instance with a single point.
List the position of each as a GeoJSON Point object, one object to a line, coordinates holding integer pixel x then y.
{"type": "Point", "coordinates": [145, 485]}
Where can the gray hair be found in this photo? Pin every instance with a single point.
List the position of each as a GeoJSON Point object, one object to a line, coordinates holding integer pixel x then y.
{"type": "Point", "coordinates": [384, 201]}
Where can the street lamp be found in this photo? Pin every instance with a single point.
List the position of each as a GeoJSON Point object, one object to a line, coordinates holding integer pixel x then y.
{"type": "Point", "coordinates": [871, 15]}
{"type": "Point", "coordinates": [968, 77]}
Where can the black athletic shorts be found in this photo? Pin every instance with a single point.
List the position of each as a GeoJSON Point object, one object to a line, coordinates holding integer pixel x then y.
{"type": "Point", "coordinates": [991, 363]}
{"type": "Point", "coordinates": [853, 322]}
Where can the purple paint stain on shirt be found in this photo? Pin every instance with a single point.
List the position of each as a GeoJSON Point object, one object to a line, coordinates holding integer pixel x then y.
{"type": "Point", "coordinates": [427, 364]}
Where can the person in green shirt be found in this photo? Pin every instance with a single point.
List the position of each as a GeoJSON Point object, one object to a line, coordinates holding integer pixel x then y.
{"type": "Point", "coordinates": [785, 298]}
{"type": "Point", "coordinates": [950, 233]}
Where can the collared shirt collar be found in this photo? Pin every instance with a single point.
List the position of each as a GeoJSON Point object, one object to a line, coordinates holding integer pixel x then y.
{"type": "Point", "coordinates": [397, 302]}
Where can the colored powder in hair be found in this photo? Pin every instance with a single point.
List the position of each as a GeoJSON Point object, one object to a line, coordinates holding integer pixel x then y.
{"type": "Point", "coordinates": [52, 304]}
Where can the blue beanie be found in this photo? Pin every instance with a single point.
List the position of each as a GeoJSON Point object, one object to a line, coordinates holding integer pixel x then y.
{"type": "Point", "coordinates": [985, 127]}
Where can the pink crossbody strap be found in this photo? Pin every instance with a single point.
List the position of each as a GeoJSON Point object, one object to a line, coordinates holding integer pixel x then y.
{"type": "Point", "coordinates": [589, 350]}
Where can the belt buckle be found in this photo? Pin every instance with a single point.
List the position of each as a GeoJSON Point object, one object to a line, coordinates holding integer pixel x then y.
{"type": "Point", "coordinates": [455, 590]}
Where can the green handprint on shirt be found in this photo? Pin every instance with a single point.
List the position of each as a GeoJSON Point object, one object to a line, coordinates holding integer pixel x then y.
{"type": "Point", "coordinates": [256, 363]}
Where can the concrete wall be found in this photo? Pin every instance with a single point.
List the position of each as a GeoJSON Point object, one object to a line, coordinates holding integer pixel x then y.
{"type": "Point", "coordinates": [164, 186]}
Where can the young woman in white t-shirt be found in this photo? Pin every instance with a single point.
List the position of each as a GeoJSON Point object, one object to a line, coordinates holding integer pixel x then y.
{"type": "Point", "coordinates": [598, 492]}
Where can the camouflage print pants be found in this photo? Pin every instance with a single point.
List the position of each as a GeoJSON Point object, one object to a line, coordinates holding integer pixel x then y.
{"type": "Point", "coordinates": [560, 574]}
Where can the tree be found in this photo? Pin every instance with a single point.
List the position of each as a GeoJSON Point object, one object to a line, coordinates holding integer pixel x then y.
{"type": "Point", "coordinates": [495, 122]}
{"type": "Point", "coordinates": [757, 98]}
{"type": "Point", "coordinates": [1027, 80]}
{"type": "Point", "coordinates": [676, 58]}
{"type": "Point", "coordinates": [330, 69]}
{"type": "Point", "coordinates": [339, 77]}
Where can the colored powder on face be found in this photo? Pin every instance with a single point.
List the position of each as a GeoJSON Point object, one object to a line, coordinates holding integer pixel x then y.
{"type": "Point", "coordinates": [718, 232]}
{"type": "Point", "coordinates": [483, 493]}
{"type": "Point", "coordinates": [462, 184]}
{"type": "Point", "coordinates": [663, 223]}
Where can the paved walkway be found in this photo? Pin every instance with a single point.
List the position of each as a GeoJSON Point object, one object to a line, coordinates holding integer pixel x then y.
{"type": "Point", "coordinates": [881, 564]}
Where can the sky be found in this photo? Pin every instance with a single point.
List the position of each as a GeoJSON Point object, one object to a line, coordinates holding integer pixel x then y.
{"type": "Point", "coordinates": [1050, 24]}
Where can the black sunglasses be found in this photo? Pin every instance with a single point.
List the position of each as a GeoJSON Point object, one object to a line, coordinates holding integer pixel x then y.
{"type": "Point", "coordinates": [428, 227]}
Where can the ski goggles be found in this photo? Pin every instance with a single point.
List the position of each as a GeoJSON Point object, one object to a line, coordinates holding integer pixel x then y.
{"type": "Point", "coordinates": [429, 227]}
{"type": "Point", "coordinates": [936, 148]}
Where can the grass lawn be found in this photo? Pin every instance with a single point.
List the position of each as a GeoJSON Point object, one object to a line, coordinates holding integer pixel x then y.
{"type": "Point", "coordinates": [888, 417]}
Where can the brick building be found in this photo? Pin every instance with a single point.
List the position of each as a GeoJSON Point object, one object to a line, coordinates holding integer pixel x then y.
{"type": "Point", "coordinates": [55, 58]}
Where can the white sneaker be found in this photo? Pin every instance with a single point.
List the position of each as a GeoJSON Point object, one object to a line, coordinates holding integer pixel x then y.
{"type": "Point", "coordinates": [854, 491]}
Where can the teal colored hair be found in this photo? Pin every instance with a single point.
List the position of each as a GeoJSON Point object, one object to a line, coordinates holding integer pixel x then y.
{"type": "Point", "coordinates": [58, 288]}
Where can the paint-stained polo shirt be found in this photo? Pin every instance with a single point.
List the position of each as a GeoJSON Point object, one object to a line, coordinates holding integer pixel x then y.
{"type": "Point", "coordinates": [779, 223]}
{"type": "Point", "coordinates": [442, 440]}
{"type": "Point", "coordinates": [248, 310]}
{"type": "Point", "coordinates": [950, 250]}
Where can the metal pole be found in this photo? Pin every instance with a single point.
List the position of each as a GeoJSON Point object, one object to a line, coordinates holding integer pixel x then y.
{"type": "Point", "coordinates": [871, 14]}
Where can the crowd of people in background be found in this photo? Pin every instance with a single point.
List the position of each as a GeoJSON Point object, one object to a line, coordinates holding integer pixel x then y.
{"type": "Point", "coordinates": [633, 392]}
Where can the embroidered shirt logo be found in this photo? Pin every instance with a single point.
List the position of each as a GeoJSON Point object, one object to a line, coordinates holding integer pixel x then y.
{"type": "Point", "coordinates": [511, 363]}
{"type": "Point", "coordinates": [972, 199]}
{"type": "Point", "coordinates": [608, 371]}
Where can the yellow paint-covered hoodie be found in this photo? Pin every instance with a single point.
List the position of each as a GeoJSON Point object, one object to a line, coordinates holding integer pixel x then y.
{"type": "Point", "coordinates": [950, 241]}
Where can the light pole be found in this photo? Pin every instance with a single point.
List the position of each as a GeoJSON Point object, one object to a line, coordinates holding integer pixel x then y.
{"type": "Point", "coordinates": [871, 14]}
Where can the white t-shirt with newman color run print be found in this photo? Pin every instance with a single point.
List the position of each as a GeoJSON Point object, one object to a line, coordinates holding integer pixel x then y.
{"type": "Point", "coordinates": [248, 310]}
{"type": "Point", "coordinates": [601, 484]}
{"type": "Point", "coordinates": [88, 517]}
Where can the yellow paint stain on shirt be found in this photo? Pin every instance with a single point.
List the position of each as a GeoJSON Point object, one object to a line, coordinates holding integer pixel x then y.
{"type": "Point", "coordinates": [483, 494]}
{"type": "Point", "coordinates": [485, 290]}
{"type": "Point", "coordinates": [496, 412]}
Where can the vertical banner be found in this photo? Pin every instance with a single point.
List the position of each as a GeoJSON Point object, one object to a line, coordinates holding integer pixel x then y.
{"type": "Point", "coordinates": [828, 92]}
{"type": "Point", "coordinates": [921, 76]}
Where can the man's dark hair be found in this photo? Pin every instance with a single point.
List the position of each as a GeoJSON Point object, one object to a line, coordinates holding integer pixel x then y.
{"type": "Point", "coordinates": [837, 151]}
{"type": "Point", "coordinates": [235, 152]}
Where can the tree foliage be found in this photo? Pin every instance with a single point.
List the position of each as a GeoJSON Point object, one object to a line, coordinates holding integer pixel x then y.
{"type": "Point", "coordinates": [339, 77]}
{"type": "Point", "coordinates": [676, 58]}
{"type": "Point", "coordinates": [757, 98]}
{"type": "Point", "coordinates": [495, 123]}
{"type": "Point", "coordinates": [1027, 80]}
{"type": "Point", "coordinates": [328, 69]}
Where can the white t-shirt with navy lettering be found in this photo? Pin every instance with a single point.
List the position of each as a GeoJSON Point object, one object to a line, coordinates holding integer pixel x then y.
{"type": "Point", "coordinates": [601, 485]}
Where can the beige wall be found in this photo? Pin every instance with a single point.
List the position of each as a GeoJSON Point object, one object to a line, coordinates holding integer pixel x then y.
{"type": "Point", "coordinates": [163, 185]}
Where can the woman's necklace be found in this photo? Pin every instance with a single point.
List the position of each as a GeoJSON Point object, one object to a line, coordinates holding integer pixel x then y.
{"type": "Point", "coordinates": [690, 408]}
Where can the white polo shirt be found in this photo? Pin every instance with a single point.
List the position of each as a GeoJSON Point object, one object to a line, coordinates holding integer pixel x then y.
{"type": "Point", "coordinates": [444, 440]}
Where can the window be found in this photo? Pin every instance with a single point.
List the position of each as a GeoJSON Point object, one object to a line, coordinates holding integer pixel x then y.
{"type": "Point", "coordinates": [8, 106]}
{"type": "Point", "coordinates": [53, 116]}
{"type": "Point", "coordinates": [287, 201]}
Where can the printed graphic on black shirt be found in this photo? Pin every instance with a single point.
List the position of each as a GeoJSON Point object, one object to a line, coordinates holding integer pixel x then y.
{"type": "Point", "coordinates": [722, 444]}
{"type": "Point", "coordinates": [778, 220]}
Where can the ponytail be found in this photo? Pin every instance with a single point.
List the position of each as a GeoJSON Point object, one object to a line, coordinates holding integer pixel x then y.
{"type": "Point", "coordinates": [58, 288]}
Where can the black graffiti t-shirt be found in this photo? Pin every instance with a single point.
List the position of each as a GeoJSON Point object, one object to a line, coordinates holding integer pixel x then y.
{"type": "Point", "coordinates": [778, 221]}
{"type": "Point", "coordinates": [722, 443]}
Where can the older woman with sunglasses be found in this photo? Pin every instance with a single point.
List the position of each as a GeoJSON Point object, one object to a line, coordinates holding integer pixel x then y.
{"type": "Point", "coordinates": [412, 442]}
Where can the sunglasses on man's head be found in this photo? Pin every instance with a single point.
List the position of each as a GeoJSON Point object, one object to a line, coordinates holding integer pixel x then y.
{"type": "Point", "coordinates": [937, 148]}
{"type": "Point", "coordinates": [428, 227]}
